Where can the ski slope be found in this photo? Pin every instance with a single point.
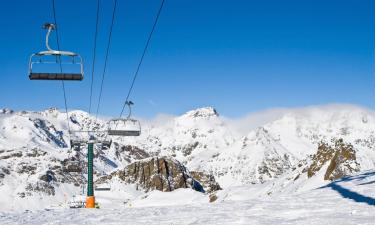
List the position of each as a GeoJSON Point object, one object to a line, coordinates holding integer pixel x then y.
{"type": "Point", "coordinates": [350, 200]}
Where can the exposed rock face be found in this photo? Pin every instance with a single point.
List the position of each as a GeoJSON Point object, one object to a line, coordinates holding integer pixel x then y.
{"type": "Point", "coordinates": [11, 154]}
{"type": "Point", "coordinates": [207, 181]}
{"type": "Point", "coordinates": [50, 132]}
{"type": "Point", "coordinates": [43, 187]}
{"type": "Point", "coordinates": [163, 174]}
{"type": "Point", "coordinates": [129, 153]}
{"type": "Point", "coordinates": [6, 111]}
{"type": "Point", "coordinates": [72, 165]}
{"type": "Point", "coordinates": [340, 156]}
{"type": "Point", "coordinates": [186, 149]}
{"type": "Point", "coordinates": [45, 171]}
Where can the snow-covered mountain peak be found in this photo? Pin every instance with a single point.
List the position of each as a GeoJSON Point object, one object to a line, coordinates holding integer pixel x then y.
{"type": "Point", "coordinates": [6, 111]}
{"type": "Point", "coordinates": [206, 112]}
{"type": "Point", "coordinates": [52, 110]}
{"type": "Point", "coordinates": [259, 135]}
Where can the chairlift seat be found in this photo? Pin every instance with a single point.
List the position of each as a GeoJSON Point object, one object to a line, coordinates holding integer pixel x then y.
{"type": "Point", "coordinates": [102, 189]}
{"type": "Point", "coordinates": [56, 76]}
{"type": "Point", "coordinates": [124, 132]}
{"type": "Point", "coordinates": [124, 127]}
{"type": "Point", "coordinates": [72, 169]}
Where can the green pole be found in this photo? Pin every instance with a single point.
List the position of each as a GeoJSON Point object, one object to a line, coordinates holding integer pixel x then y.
{"type": "Point", "coordinates": [90, 162]}
{"type": "Point", "coordinates": [90, 199]}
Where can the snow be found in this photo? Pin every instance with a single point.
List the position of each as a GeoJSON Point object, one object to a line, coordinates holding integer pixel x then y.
{"type": "Point", "coordinates": [175, 198]}
{"type": "Point", "coordinates": [350, 200]}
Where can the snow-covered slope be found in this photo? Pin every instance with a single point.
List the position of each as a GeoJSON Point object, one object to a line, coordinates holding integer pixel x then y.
{"type": "Point", "coordinates": [347, 201]}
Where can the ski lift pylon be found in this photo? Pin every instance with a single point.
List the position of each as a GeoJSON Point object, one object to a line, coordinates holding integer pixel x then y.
{"type": "Point", "coordinates": [125, 127]}
{"type": "Point", "coordinates": [40, 58]}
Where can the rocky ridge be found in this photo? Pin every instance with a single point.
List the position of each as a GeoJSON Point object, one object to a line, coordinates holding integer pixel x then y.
{"type": "Point", "coordinates": [340, 158]}
{"type": "Point", "coordinates": [163, 174]}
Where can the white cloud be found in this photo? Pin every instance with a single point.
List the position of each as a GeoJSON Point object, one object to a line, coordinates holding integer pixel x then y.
{"type": "Point", "coordinates": [256, 119]}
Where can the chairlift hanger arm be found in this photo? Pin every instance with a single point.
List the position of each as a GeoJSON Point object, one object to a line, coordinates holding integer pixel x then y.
{"type": "Point", "coordinates": [50, 27]}
{"type": "Point", "coordinates": [129, 104]}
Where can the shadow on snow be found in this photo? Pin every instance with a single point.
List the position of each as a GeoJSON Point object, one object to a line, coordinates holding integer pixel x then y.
{"type": "Point", "coordinates": [349, 194]}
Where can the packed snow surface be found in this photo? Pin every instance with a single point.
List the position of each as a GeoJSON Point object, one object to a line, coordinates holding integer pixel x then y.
{"type": "Point", "coordinates": [350, 200]}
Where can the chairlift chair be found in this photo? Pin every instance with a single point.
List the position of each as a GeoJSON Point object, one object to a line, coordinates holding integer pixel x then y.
{"type": "Point", "coordinates": [73, 167]}
{"type": "Point", "coordinates": [105, 144]}
{"type": "Point", "coordinates": [76, 141]}
{"type": "Point", "coordinates": [103, 187]}
{"type": "Point", "coordinates": [76, 203]}
{"type": "Point", "coordinates": [76, 144]}
{"type": "Point", "coordinates": [125, 127]}
{"type": "Point", "coordinates": [73, 164]}
{"type": "Point", "coordinates": [42, 57]}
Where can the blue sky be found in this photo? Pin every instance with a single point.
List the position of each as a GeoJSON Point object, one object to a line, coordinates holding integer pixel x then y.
{"type": "Point", "coordinates": [238, 56]}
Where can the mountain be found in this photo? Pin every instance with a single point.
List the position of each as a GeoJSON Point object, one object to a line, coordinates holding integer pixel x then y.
{"type": "Point", "coordinates": [277, 154]}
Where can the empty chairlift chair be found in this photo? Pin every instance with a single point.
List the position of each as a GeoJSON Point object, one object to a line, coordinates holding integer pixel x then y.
{"type": "Point", "coordinates": [106, 144]}
{"type": "Point", "coordinates": [125, 127]}
{"type": "Point", "coordinates": [103, 187]}
{"type": "Point", "coordinates": [73, 165]}
{"type": "Point", "coordinates": [60, 58]}
{"type": "Point", "coordinates": [76, 141]}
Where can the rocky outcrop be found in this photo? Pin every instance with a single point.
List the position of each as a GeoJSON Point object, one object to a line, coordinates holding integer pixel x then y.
{"type": "Point", "coordinates": [44, 171]}
{"type": "Point", "coordinates": [163, 174]}
{"type": "Point", "coordinates": [340, 157]}
{"type": "Point", "coordinates": [6, 111]}
{"type": "Point", "coordinates": [11, 154]}
{"type": "Point", "coordinates": [41, 187]}
{"type": "Point", "coordinates": [129, 153]}
{"type": "Point", "coordinates": [51, 134]}
{"type": "Point", "coordinates": [206, 180]}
